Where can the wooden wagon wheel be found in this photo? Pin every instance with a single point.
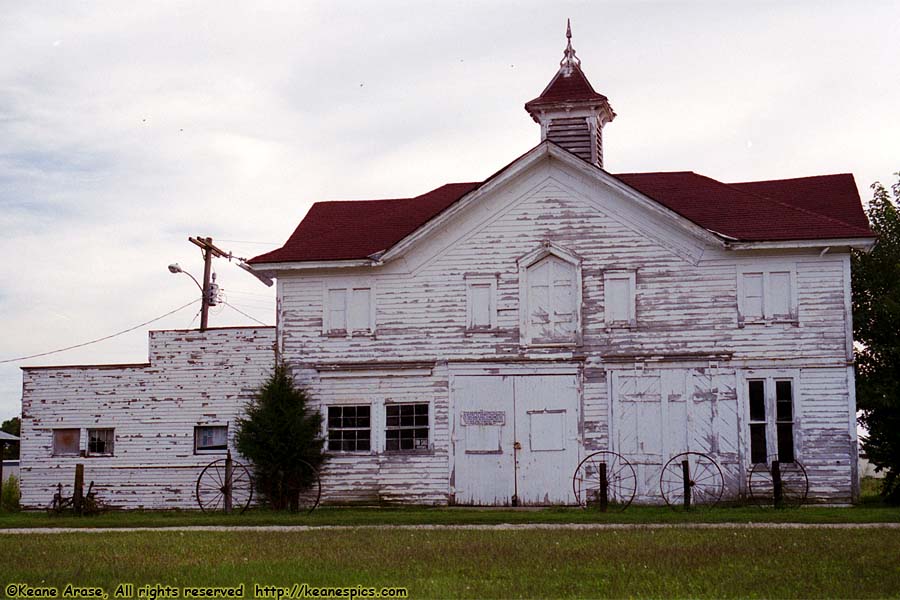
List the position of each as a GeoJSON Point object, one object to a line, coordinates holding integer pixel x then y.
{"type": "Point", "coordinates": [793, 483]}
{"type": "Point", "coordinates": [691, 479]}
{"type": "Point", "coordinates": [224, 484]}
{"type": "Point", "coordinates": [605, 480]}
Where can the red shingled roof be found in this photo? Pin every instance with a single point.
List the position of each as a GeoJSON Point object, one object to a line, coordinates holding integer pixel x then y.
{"type": "Point", "coordinates": [566, 86]}
{"type": "Point", "coordinates": [822, 207]}
{"type": "Point", "coordinates": [736, 211]}
{"type": "Point", "coordinates": [824, 194]}
{"type": "Point", "coordinates": [359, 228]}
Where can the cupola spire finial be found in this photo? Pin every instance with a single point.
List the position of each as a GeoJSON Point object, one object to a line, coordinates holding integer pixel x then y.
{"type": "Point", "coordinates": [569, 59]}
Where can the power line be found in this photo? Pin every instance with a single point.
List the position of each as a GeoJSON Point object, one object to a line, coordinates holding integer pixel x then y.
{"type": "Point", "coordinates": [254, 243]}
{"type": "Point", "coordinates": [171, 312]}
{"type": "Point", "coordinates": [191, 324]}
{"type": "Point", "coordinates": [245, 314]}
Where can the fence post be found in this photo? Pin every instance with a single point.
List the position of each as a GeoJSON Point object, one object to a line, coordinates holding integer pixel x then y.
{"type": "Point", "coordinates": [604, 488]}
{"type": "Point", "coordinates": [777, 487]}
{"type": "Point", "coordinates": [229, 469]}
{"type": "Point", "coordinates": [78, 492]}
{"type": "Point", "coordinates": [686, 475]}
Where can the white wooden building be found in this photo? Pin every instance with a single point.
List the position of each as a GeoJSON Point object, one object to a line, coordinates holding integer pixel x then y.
{"type": "Point", "coordinates": [471, 345]}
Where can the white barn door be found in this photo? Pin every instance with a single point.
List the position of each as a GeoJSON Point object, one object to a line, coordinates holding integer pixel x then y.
{"type": "Point", "coordinates": [483, 438]}
{"type": "Point", "coordinates": [638, 428]}
{"type": "Point", "coordinates": [515, 437]}
{"type": "Point", "coordinates": [547, 433]}
{"type": "Point", "coordinates": [657, 414]}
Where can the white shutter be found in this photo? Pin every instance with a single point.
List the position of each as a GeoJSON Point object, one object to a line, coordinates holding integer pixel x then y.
{"type": "Point", "coordinates": [752, 307]}
{"type": "Point", "coordinates": [619, 298]}
{"type": "Point", "coordinates": [563, 299]}
{"type": "Point", "coordinates": [360, 309]}
{"type": "Point", "coordinates": [539, 307]}
{"type": "Point", "coordinates": [479, 306]}
{"type": "Point", "coordinates": [780, 295]}
{"type": "Point", "coordinates": [337, 310]}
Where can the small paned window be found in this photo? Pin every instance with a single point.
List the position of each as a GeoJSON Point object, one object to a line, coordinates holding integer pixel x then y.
{"type": "Point", "coordinates": [100, 442]}
{"type": "Point", "coordinates": [757, 395]}
{"type": "Point", "coordinates": [66, 442]}
{"type": "Point", "coordinates": [406, 427]}
{"type": "Point", "coordinates": [784, 419]}
{"type": "Point", "coordinates": [210, 439]}
{"type": "Point", "coordinates": [349, 428]}
{"type": "Point", "coordinates": [771, 419]}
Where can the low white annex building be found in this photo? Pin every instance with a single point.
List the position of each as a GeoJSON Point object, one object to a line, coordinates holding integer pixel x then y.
{"type": "Point", "coordinates": [473, 344]}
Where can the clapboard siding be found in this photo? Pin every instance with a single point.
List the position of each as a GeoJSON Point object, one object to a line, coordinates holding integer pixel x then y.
{"type": "Point", "coordinates": [193, 378]}
{"type": "Point", "coordinates": [684, 307]}
{"type": "Point", "coordinates": [680, 306]}
{"type": "Point", "coordinates": [687, 333]}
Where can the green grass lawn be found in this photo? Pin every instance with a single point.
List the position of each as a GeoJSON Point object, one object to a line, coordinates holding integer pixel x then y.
{"type": "Point", "coordinates": [864, 513]}
{"type": "Point", "coordinates": [720, 563]}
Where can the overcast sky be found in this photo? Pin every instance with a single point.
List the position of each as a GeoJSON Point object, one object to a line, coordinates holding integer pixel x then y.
{"type": "Point", "coordinates": [126, 127]}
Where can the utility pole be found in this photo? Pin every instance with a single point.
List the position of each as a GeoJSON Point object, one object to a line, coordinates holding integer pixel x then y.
{"type": "Point", "coordinates": [209, 251]}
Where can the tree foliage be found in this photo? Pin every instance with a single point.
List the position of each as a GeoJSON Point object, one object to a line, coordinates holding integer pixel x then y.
{"type": "Point", "coordinates": [14, 427]}
{"type": "Point", "coordinates": [876, 325]}
{"type": "Point", "coordinates": [278, 432]}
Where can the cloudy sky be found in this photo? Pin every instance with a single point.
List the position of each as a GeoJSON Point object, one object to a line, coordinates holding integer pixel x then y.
{"type": "Point", "coordinates": [126, 127]}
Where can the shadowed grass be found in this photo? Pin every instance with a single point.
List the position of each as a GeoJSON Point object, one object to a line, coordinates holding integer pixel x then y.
{"type": "Point", "coordinates": [722, 563]}
{"type": "Point", "coordinates": [416, 515]}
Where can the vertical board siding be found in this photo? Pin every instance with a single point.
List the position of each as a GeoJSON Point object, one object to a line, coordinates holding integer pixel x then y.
{"type": "Point", "coordinates": [194, 378]}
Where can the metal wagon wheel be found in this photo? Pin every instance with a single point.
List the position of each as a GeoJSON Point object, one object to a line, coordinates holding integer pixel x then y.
{"type": "Point", "coordinates": [794, 484]}
{"type": "Point", "coordinates": [691, 479]}
{"type": "Point", "coordinates": [607, 470]}
{"type": "Point", "coordinates": [312, 494]}
{"type": "Point", "coordinates": [215, 487]}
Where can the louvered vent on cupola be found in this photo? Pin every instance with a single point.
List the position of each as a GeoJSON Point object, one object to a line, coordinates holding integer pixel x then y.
{"type": "Point", "coordinates": [570, 112]}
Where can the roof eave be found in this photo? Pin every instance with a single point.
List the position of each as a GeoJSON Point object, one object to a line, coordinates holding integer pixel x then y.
{"type": "Point", "coordinates": [272, 269]}
{"type": "Point", "coordinates": [857, 243]}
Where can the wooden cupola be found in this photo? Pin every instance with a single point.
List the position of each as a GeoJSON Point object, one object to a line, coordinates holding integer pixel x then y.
{"type": "Point", "coordinates": [570, 112]}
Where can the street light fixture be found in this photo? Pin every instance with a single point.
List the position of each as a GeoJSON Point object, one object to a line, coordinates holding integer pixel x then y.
{"type": "Point", "coordinates": [175, 268]}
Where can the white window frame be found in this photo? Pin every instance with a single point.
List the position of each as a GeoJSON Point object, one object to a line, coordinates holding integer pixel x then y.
{"type": "Point", "coordinates": [385, 428]}
{"type": "Point", "coordinates": [373, 427]}
{"type": "Point", "coordinates": [112, 441]}
{"type": "Point", "coordinates": [348, 285]}
{"type": "Point", "coordinates": [631, 278]}
{"type": "Point", "coordinates": [546, 249]}
{"type": "Point", "coordinates": [480, 280]}
{"type": "Point", "coordinates": [769, 378]}
{"type": "Point", "coordinates": [198, 449]}
{"type": "Point", "coordinates": [767, 317]}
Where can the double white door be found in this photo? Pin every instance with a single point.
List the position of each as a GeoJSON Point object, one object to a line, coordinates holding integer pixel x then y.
{"type": "Point", "coordinates": [515, 439]}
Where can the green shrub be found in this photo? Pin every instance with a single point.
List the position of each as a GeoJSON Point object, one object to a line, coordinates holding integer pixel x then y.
{"type": "Point", "coordinates": [9, 500]}
{"type": "Point", "coordinates": [279, 434]}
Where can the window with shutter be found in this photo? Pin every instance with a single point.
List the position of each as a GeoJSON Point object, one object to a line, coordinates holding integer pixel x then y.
{"type": "Point", "coordinates": [550, 297]}
{"type": "Point", "coordinates": [767, 295]}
